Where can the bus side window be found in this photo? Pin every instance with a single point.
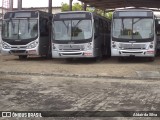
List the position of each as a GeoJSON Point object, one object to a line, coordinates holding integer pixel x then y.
{"type": "Point", "coordinates": [44, 30]}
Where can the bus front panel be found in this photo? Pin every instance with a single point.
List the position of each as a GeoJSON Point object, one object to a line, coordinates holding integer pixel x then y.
{"type": "Point", "coordinates": [133, 35]}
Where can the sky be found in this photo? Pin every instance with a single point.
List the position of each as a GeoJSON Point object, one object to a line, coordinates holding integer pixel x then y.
{"type": "Point", "coordinates": [40, 3]}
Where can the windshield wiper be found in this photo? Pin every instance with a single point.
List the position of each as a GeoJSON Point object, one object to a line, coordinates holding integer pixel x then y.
{"type": "Point", "coordinates": [10, 20]}
{"type": "Point", "coordinates": [75, 28]}
{"type": "Point", "coordinates": [137, 21]}
{"type": "Point", "coordinates": [67, 26]}
{"type": "Point", "coordinates": [77, 23]}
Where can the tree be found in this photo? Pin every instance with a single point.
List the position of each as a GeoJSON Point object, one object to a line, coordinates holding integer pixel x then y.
{"type": "Point", "coordinates": [65, 7]}
{"type": "Point", "coordinates": [79, 7]}
{"type": "Point", "coordinates": [75, 7]}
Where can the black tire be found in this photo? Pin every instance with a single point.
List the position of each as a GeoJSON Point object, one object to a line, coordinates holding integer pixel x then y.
{"type": "Point", "coordinates": [121, 58]}
{"type": "Point", "coordinates": [69, 59]}
{"type": "Point", "coordinates": [47, 56]}
{"type": "Point", "coordinates": [151, 59]}
{"type": "Point", "coordinates": [22, 57]}
{"type": "Point", "coordinates": [101, 55]}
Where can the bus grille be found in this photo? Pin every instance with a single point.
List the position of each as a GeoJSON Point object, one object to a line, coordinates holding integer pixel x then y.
{"type": "Point", "coordinates": [71, 47]}
{"type": "Point", "coordinates": [19, 47]}
{"type": "Point", "coordinates": [18, 51]}
{"type": "Point", "coordinates": [132, 46]}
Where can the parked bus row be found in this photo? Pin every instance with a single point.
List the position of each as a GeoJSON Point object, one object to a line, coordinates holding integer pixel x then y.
{"type": "Point", "coordinates": [132, 32]}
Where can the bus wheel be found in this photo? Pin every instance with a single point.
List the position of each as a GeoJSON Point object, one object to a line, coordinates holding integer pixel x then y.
{"type": "Point", "coordinates": [100, 56]}
{"type": "Point", "coordinates": [22, 57]}
{"type": "Point", "coordinates": [151, 59]}
{"type": "Point", "coordinates": [120, 58]}
{"type": "Point", "coordinates": [69, 59]}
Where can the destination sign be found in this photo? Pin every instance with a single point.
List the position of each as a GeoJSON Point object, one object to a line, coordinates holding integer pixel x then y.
{"type": "Point", "coordinates": [66, 16]}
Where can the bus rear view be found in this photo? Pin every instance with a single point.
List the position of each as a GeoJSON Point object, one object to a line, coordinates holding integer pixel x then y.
{"type": "Point", "coordinates": [133, 33]}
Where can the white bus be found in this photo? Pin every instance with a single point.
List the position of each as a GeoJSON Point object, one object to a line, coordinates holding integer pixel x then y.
{"type": "Point", "coordinates": [26, 33]}
{"type": "Point", "coordinates": [133, 33]}
{"type": "Point", "coordinates": [80, 34]}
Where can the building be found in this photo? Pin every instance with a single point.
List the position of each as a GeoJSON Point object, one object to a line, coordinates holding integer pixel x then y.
{"type": "Point", "coordinates": [54, 9]}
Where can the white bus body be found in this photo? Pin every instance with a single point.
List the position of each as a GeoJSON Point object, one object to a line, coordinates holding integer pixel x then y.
{"type": "Point", "coordinates": [80, 35]}
{"type": "Point", "coordinates": [26, 33]}
{"type": "Point", "coordinates": [133, 33]}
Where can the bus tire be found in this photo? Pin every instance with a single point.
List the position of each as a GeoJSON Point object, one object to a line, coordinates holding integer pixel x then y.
{"type": "Point", "coordinates": [22, 57]}
{"type": "Point", "coordinates": [100, 56]}
{"type": "Point", "coordinates": [121, 58]}
{"type": "Point", "coordinates": [69, 59]}
{"type": "Point", "coordinates": [151, 59]}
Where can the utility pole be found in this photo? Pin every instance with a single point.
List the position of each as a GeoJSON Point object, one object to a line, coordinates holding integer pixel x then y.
{"type": "Point", "coordinates": [50, 6]}
{"type": "Point", "coordinates": [84, 6]}
{"type": "Point", "coordinates": [19, 4]}
{"type": "Point", "coordinates": [11, 5]}
{"type": "Point", "coordinates": [70, 4]}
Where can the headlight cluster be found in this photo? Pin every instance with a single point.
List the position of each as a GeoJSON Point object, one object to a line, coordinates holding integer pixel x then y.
{"type": "Point", "coordinates": [113, 45]}
{"type": "Point", "coordinates": [89, 46]}
{"type": "Point", "coordinates": [5, 46]}
{"type": "Point", "coordinates": [151, 45]}
{"type": "Point", "coordinates": [32, 45]}
{"type": "Point", "coordinates": [53, 47]}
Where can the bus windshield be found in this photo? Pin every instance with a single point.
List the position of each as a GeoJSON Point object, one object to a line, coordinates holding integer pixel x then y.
{"type": "Point", "coordinates": [133, 28]}
{"type": "Point", "coordinates": [72, 29]}
{"type": "Point", "coordinates": [20, 29]}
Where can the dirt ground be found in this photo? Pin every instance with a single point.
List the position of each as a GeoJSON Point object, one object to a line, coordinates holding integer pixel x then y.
{"type": "Point", "coordinates": [110, 67]}
{"type": "Point", "coordinates": [51, 93]}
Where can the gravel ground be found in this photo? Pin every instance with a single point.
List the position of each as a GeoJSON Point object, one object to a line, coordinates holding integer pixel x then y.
{"type": "Point", "coordinates": [106, 67]}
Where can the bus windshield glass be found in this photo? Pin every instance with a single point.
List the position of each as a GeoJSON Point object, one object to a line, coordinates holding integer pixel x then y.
{"type": "Point", "coordinates": [72, 29]}
{"type": "Point", "coordinates": [20, 29]}
{"type": "Point", "coordinates": [133, 28]}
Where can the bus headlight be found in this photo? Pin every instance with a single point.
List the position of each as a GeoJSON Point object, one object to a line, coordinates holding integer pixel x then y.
{"type": "Point", "coordinates": [5, 46]}
{"type": "Point", "coordinates": [151, 45]}
{"type": "Point", "coordinates": [113, 45]}
{"type": "Point", "coordinates": [89, 46]}
{"type": "Point", "coordinates": [32, 45]}
{"type": "Point", "coordinates": [53, 47]}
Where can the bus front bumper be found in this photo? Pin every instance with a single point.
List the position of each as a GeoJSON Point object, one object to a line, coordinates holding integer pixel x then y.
{"type": "Point", "coordinates": [136, 53]}
{"type": "Point", "coordinates": [72, 54]}
{"type": "Point", "coordinates": [19, 51]}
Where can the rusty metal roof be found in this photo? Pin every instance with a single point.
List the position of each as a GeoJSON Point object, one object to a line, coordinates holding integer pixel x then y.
{"type": "Point", "coordinates": [112, 4]}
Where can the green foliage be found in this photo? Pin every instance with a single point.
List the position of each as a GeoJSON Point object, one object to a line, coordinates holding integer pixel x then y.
{"type": "Point", "coordinates": [65, 7]}
{"type": "Point", "coordinates": [109, 15]}
{"type": "Point", "coordinates": [75, 7]}
{"type": "Point", "coordinates": [79, 7]}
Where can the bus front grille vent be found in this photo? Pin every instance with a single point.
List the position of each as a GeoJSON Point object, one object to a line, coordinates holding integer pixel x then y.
{"type": "Point", "coordinates": [71, 47]}
{"type": "Point", "coordinates": [18, 51]}
{"type": "Point", "coordinates": [132, 46]}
